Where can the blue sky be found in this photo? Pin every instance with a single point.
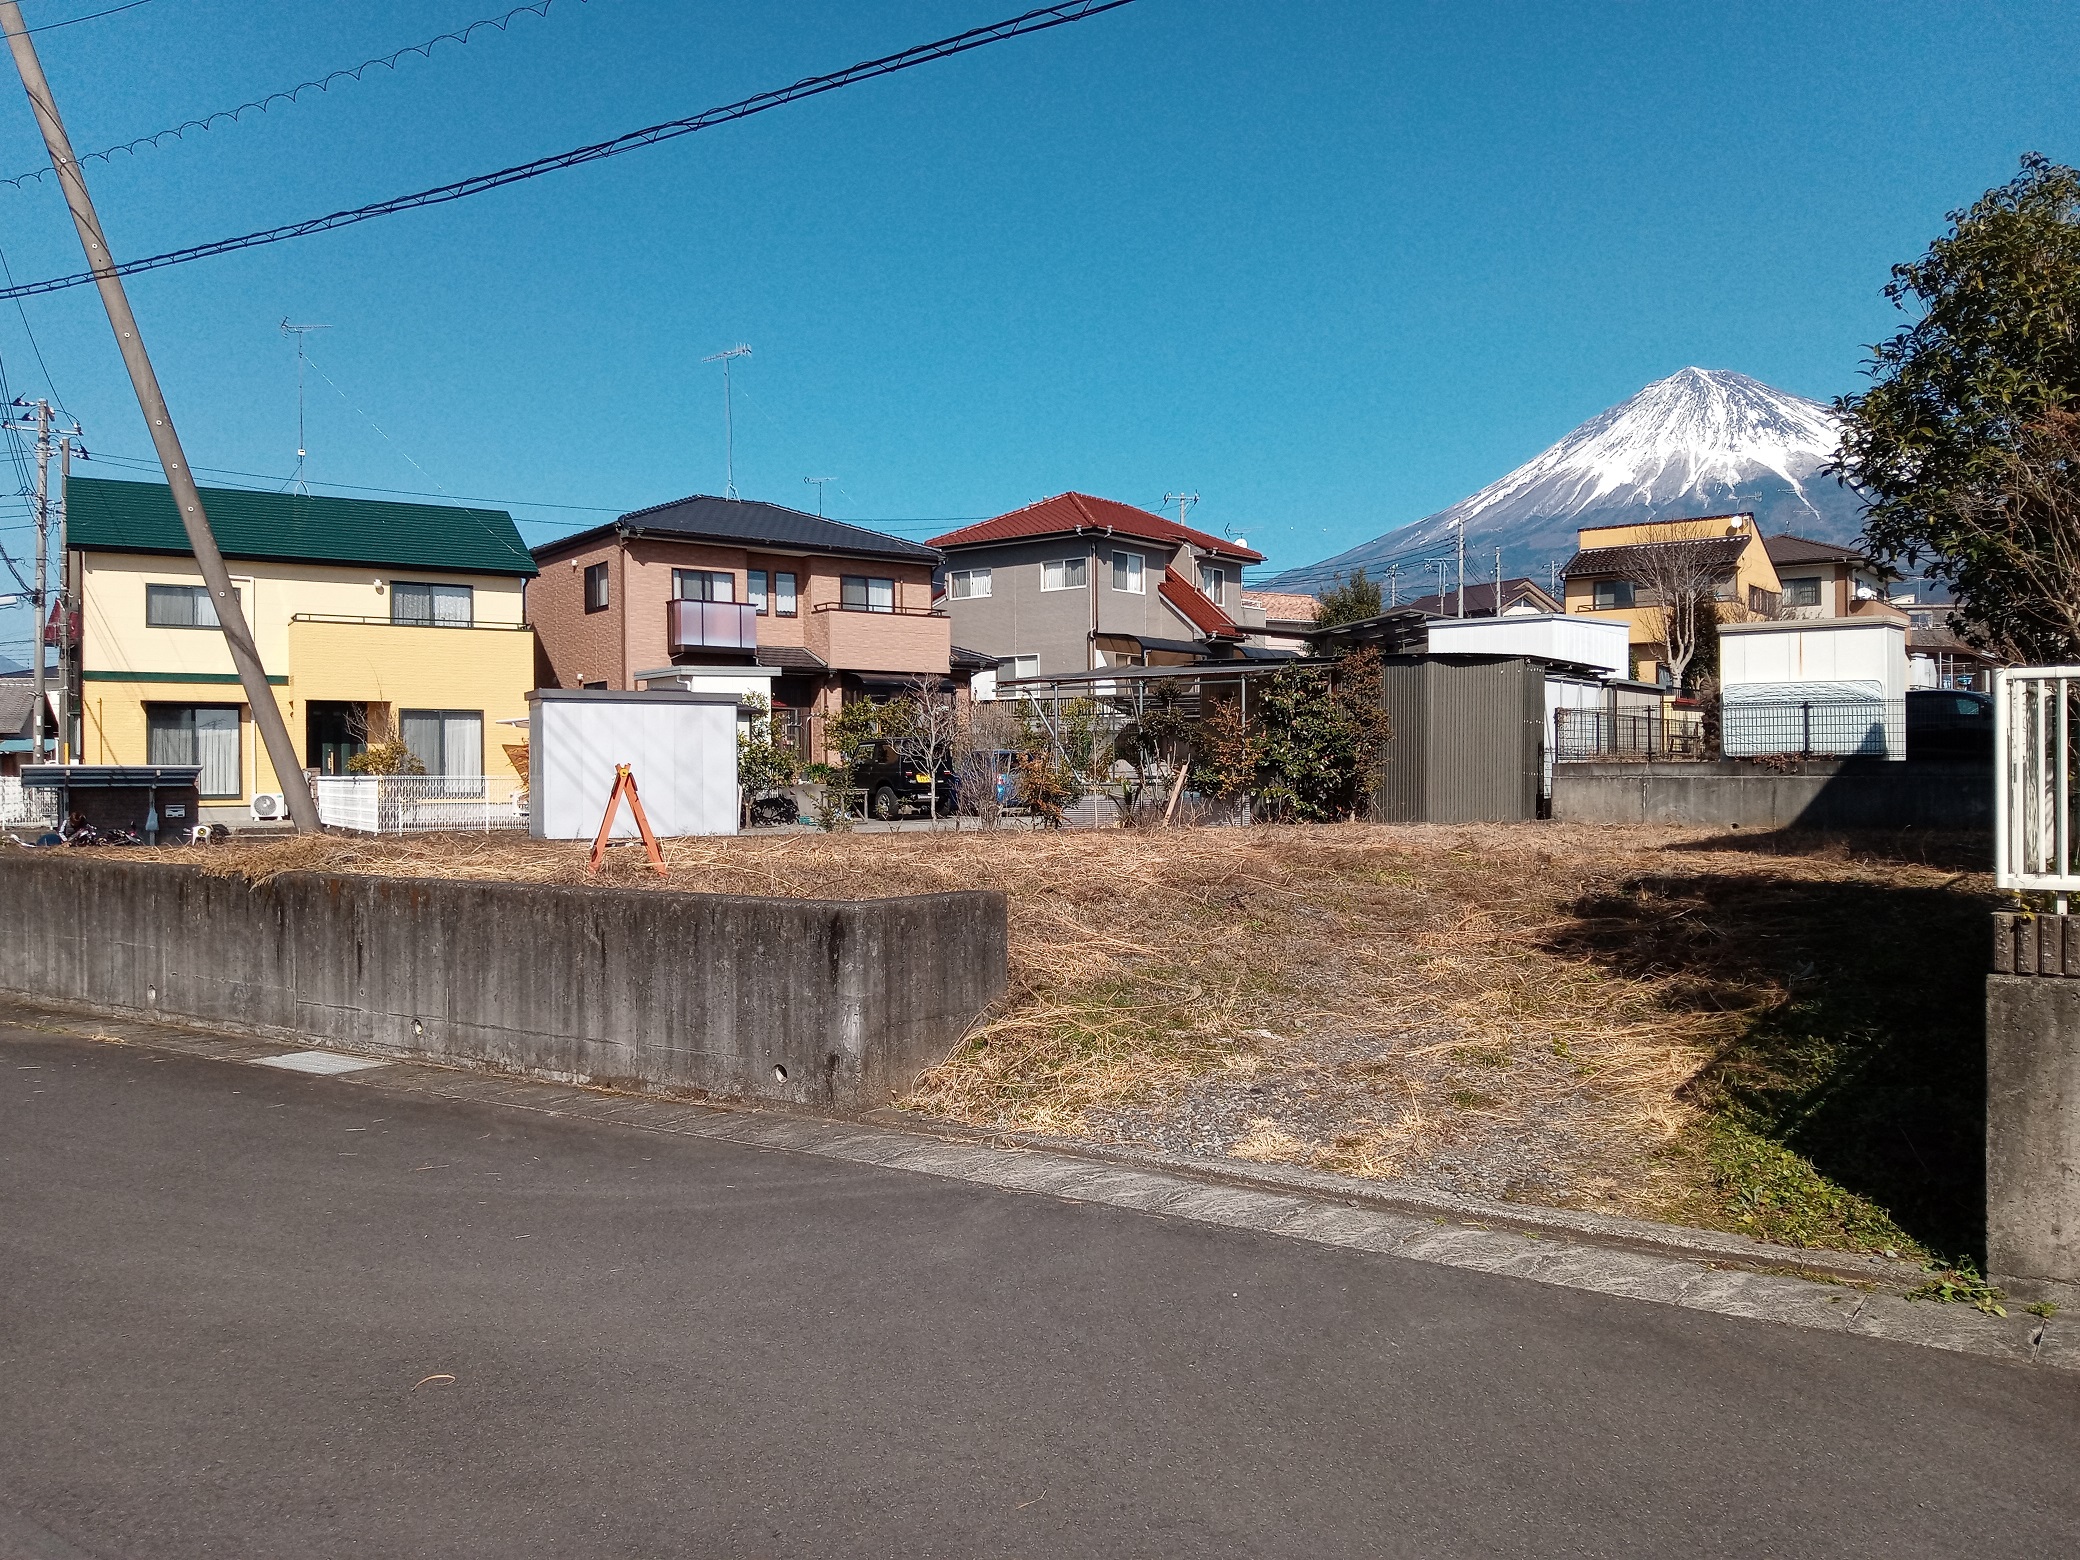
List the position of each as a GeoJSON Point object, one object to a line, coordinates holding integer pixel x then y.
{"type": "Point", "coordinates": [1332, 265]}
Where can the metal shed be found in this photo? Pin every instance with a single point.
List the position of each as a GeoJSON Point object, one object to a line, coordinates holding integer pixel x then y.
{"type": "Point", "coordinates": [1468, 742]}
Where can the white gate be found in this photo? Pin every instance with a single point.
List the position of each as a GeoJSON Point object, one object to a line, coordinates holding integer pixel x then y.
{"type": "Point", "coordinates": [2036, 721]}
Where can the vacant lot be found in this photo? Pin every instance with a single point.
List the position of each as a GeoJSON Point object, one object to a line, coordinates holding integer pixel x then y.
{"type": "Point", "coordinates": [1779, 1035]}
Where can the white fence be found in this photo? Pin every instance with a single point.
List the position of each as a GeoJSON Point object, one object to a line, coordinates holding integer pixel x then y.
{"type": "Point", "coordinates": [2036, 721]}
{"type": "Point", "coordinates": [419, 804]}
{"type": "Point", "coordinates": [26, 806]}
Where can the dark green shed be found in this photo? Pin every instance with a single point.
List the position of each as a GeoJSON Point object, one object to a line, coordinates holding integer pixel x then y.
{"type": "Point", "coordinates": [1469, 732]}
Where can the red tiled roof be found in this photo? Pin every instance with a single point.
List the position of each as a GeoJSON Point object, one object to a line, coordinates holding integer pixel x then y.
{"type": "Point", "coordinates": [1193, 605]}
{"type": "Point", "coordinates": [1072, 512]}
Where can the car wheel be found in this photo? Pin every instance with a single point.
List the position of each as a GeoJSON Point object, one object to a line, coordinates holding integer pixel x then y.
{"type": "Point", "coordinates": [885, 804]}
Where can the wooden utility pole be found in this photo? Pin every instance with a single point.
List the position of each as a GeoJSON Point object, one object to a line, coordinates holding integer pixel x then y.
{"type": "Point", "coordinates": [252, 677]}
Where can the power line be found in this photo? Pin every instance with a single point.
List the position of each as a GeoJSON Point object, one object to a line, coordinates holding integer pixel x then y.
{"type": "Point", "coordinates": [287, 95]}
{"type": "Point", "coordinates": [91, 16]}
{"type": "Point", "coordinates": [944, 48]}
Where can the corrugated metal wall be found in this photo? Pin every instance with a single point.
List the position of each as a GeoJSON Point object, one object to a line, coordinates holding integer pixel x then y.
{"type": "Point", "coordinates": [1467, 739]}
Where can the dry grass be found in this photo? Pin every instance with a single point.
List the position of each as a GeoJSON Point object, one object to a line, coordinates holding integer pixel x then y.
{"type": "Point", "coordinates": [1521, 1011]}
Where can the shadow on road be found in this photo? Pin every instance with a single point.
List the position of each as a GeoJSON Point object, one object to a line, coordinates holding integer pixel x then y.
{"type": "Point", "coordinates": [1861, 1047]}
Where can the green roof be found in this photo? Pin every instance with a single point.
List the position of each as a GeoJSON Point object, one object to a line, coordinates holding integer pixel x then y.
{"type": "Point", "coordinates": [140, 517]}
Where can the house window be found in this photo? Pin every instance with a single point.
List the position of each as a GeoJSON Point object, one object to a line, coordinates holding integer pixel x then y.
{"type": "Point", "coordinates": [180, 606]}
{"type": "Point", "coordinates": [1612, 594]}
{"type": "Point", "coordinates": [1063, 574]}
{"type": "Point", "coordinates": [1128, 572]}
{"type": "Point", "coordinates": [1211, 582]}
{"type": "Point", "coordinates": [965, 584]}
{"type": "Point", "coordinates": [436, 606]}
{"type": "Point", "coordinates": [1802, 593]}
{"type": "Point", "coordinates": [204, 734]}
{"type": "Point", "coordinates": [1019, 666]}
{"type": "Point", "coordinates": [783, 594]}
{"type": "Point", "coordinates": [755, 589]}
{"type": "Point", "coordinates": [445, 742]}
{"type": "Point", "coordinates": [596, 587]}
{"type": "Point", "coordinates": [857, 593]}
{"type": "Point", "coordinates": [704, 585]}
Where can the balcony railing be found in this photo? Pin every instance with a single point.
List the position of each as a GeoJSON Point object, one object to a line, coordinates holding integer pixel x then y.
{"type": "Point", "coordinates": [711, 625]}
{"type": "Point", "coordinates": [839, 606]}
{"type": "Point", "coordinates": [394, 622]}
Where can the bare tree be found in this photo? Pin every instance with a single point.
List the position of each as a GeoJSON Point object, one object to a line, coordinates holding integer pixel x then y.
{"type": "Point", "coordinates": [1685, 578]}
{"type": "Point", "coordinates": [931, 728]}
{"type": "Point", "coordinates": [2016, 539]}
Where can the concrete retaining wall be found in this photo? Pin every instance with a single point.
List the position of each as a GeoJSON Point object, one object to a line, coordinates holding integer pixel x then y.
{"type": "Point", "coordinates": [1810, 794]}
{"type": "Point", "coordinates": [833, 1005]}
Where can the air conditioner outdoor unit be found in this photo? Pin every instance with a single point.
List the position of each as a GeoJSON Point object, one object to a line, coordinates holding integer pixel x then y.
{"type": "Point", "coordinates": [268, 805]}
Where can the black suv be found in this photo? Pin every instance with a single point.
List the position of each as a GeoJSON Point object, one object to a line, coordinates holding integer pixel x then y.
{"type": "Point", "coordinates": [896, 784]}
{"type": "Point", "coordinates": [1948, 723]}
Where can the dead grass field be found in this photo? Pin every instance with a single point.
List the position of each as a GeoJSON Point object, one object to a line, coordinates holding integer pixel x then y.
{"type": "Point", "coordinates": [1777, 1035]}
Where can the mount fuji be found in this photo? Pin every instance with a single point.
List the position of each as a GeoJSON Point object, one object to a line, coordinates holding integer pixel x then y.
{"type": "Point", "coordinates": [1700, 442]}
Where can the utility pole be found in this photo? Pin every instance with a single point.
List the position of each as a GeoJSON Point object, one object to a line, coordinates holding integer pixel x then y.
{"type": "Point", "coordinates": [1462, 568]}
{"type": "Point", "coordinates": [729, 426]}
{"type": "Point", "coordinates": [1498, 582]}
{"type": "Point", "coordinates": [1183, 501]}
{"type": "Point", "coordinates": [68, 750]}
{"type": "Point", "coordinates": [252, 676]}
{"type": "Point", "coordinates": [817, 483]}
{"type": "Point", "coordinates": [1393, 584]}
{"type": "Point", "coordinates": [299, 332]}
{"type": "Point", "coordinates": [39, 423]}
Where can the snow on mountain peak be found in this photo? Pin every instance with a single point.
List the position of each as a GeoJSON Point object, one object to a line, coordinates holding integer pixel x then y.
{"type": "Point", "coordinates": [1701, 441]}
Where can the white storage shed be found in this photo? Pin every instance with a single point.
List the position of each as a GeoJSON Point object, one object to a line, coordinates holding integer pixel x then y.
{"type": "Point", "coordinates": [682, 748]}
{"type": "Point", "coordinates": [1571, 640]}
{"type": "Point", "coordinates": [1824, 686]}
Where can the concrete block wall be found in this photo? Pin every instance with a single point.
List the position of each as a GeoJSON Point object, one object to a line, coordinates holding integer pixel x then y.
{"type": "Point", "coordinates": [2033, 1108]}
{"type": "Point", "coordinates": [1808, 794]}
{"type": "Point", "coordinates": [834, 1005]}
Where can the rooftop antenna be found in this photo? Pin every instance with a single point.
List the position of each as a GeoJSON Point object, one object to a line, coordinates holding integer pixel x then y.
{"type": "Point", "coordinates": [1183, 501]}
{"type": "Point", "coordinates": [817, 483]}
{"type": "Point", "coordinates": [729, 427]}
{"type": "Point", "coordinates": [299, 332]}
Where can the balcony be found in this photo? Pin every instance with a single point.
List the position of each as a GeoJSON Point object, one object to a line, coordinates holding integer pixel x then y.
{"type": "Point", "coordinates": [711, 625]}
{"type": "Point", "coordinates": [889, 639]}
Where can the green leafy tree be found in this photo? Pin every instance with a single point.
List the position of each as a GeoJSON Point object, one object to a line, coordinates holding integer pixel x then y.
{"type": "Point", "coordinates": [1349, 601]}
{"type": "Point", "coordinates": [1310, 746]}
{"type": "Point", "coordinates": [1963, 444]}
{"type": "Point", "coordinates": [764, 762]}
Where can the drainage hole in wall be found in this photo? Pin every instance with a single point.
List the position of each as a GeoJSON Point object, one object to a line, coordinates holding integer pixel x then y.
{"type": "Point", "coordinates": [151, 993]}
{"type": "Point", "coordinates": [779, 1075]}
{"type": "Point", "coordinates": [418, 1028]}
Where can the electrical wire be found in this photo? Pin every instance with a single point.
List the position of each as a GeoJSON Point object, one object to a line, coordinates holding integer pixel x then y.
{"type": "Point", "coordinates": [91, 16]}
{"type": "Point", "coordinates": [287, 95]}
{"type": "Point", "coordinates": [1039, 20]}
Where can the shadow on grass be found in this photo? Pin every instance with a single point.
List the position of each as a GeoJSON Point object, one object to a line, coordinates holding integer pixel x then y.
{"type": "Point", "coordinates": [1849, 1109]}
{"type": "Point", "coordinates": [1946, 850]}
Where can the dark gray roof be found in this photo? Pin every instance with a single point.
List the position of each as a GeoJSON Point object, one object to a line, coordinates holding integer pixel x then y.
{"type": "Point", "coordinates": [790, 658]}
{"type": "Point", "coordinates": [972, 658]}
{"type": "Point", "coordinates": [1803, 549]}
{"type": "Point", "coordinates": [17, 699]}
{"type": "Point", "coordinates": [1630, 562]}
{"type": "Point", "coordinates": [747, 522]}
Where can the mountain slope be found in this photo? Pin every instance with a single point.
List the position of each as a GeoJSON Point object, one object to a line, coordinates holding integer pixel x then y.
{"type": "Point", "coordinates": [1700, 442]}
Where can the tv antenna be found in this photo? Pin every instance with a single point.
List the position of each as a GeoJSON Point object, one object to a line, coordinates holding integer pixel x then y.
{"type": "Point", "coordinates": [299, 332]}
{"type": "Point", "coordinates": [817, 483]}
{"type": "Point", "coordinates": [729, 427]}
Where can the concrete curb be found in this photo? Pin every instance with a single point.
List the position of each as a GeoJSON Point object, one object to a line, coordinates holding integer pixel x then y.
{"type": "Point", "coordinates": [1625, 1259]}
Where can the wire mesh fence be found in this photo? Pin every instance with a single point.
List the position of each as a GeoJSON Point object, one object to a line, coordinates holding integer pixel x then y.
{"type": "Point", "coordinates": [26, 807]}
{"type": "Point", "coordinates": [1802, 728]}
{"type": "Point", "coordinates": [420, 804]}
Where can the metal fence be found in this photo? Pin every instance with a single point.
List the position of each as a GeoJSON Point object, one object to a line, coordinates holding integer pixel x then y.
{"type": "Point", "coordinates": [2036, 722]}
{"type": "Point", "coordinates": [1628, 734]}
{"type": "Point", "coordinates": [1814, 728]}
{"type": "Point", "coordinates": [26, 807]}
{"type": "Point", "coordinates": [420, 804]}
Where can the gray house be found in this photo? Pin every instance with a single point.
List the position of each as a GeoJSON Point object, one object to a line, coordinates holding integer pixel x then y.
{"type": "Point", "coordinates": [1074, 583]}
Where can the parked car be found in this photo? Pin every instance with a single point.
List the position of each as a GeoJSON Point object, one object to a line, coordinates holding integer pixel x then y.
{"type": "Point", "coordinates": [897, 784]}
{"type": "Point", "coordinates": [1949, 723]}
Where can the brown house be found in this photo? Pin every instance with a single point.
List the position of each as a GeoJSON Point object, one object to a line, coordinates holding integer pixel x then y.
{"type": "Point", "coordinates": [837, 610]}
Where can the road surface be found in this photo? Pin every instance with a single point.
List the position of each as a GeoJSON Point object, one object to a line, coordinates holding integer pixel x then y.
{"type": "Point", "coordinates": [251, 1313]}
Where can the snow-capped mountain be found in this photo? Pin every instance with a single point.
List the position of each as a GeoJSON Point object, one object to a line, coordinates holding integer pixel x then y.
{"type": "Point", "coordinates": [1700, 442]}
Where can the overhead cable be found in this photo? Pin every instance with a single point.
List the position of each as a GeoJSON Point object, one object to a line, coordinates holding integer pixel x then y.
{"type": "Point", "coordinates": [91, 16]}
{"type": "Point", "coordinates": [945, 48]}
{"type": "Point", "coordinates": [288, 94]}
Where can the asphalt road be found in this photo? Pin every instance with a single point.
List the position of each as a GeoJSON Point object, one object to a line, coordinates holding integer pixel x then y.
{"type": "Point", "coordinates": [256, 1314]}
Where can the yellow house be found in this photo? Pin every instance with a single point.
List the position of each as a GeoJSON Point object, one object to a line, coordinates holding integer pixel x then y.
{"type": "Point", "coordinates": [373, 620]}
{"type": "Point", "coordinates": [1611, 575]}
